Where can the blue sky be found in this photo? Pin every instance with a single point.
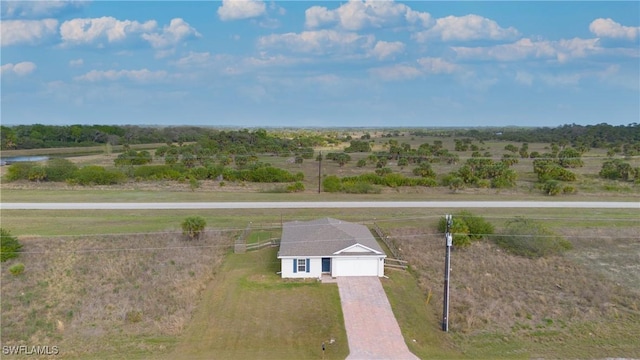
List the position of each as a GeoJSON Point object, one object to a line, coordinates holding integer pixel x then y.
{"type": "Point", "coordinates": [305, 63]}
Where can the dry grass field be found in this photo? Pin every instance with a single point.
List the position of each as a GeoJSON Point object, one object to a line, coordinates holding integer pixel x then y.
{"type": "Point", "coordinates": [585, 304]}
{"type": "Point", "coordinates": [109, 296]}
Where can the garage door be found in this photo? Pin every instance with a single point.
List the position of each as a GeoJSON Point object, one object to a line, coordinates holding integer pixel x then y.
{"type": "Point", "coordinates": [355, 267]}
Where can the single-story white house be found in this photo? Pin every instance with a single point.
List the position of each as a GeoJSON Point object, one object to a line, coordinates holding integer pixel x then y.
{"type": "Point", "coordinates": [309, 249]}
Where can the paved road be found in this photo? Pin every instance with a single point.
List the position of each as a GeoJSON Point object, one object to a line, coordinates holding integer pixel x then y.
{"type": "Point", "coordinates": [372, 329]}
{"type": "Point", "coordinates": [320, 205]}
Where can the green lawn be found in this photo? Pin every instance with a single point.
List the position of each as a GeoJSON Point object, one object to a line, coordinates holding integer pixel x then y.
{"type": "Point", "coordinates": [249, 312]}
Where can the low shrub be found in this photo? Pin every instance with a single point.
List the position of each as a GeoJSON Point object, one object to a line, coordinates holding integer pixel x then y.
{"type": "Point", "coordinates": [60, 169]}
{"type": "Point", "coordinates": [296, 187]}
{"type": "Point", "coordinates": [19, 171]}
{"type": "Point", "coordinates": [531, 239]}
{"type": "Point", "coordinates": [157, 172]}
{"type": "Point", "coordinates": [466, 228]}
{"type": "Point", "coordinates": [16, 269]}
{"type": "Point", "coordinates": [552, 187]}
{"type": "Point", "coordinates": [193, 226]}
{"type": "Point", "coordinates": [9, 245]}
{"type": "Point", "coordinates": [98, 175]}
{"type": "Point", "coordinates": [478, 226]}
{"type": "Point", "coordinates": [360, 187]}
{"type": "Point", "coordinates": [331, 184]}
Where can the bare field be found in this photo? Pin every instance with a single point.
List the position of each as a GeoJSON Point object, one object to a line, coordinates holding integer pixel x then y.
{"type": "Point", "coordinates": [582, 305]}
{"type": "Point", "coordinates": [109, 296]}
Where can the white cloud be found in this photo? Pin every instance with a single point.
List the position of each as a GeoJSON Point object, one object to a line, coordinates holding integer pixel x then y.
{"type": "Point", "coordinates": [20, 69]}
{"type": "Point", "coordinates": [426, 66]}
{"type": "Point", "coordinates": [265, 60]}
{"type": "Point", "coordinates": [143, 75]}
{"type": "Point", "coordinates": [396, 72]}
{"type": "Point", "coordinates": [194, 59]}
{"type": "Point", "coordinates": [76, 62]}
{"type": "Point", "coordinates": [356, 15]}
{"type": "Point", "coordinates": [466, 28]}
{"type": "Point", "coordinates": [385, 49]}
{"type": "Point", "coordinates": [241, 9]}
{"type": "Point", "coordinates": [26, 31]}
{"type": "Point", "coordinates": [37, 9]}
{"type": "Point", "coordinates": [576, 48]}
{"type": "Point", "coordinates": [525, 78]}
{"type": "Point", "coordinates": [437, 66]}
{"type": "Point", "coordinates": [562, 80]}
{"type": "Point", "coordinates": [521, 49]}
{"type": "Point", "coordinates": [562, 50]}
{"type": "Point", "coordinates": [94, 31]}
{"type": "Point", "coordinates": [607, 28]}
{"type": "Point", "coordinates": [321, 41]}
{"type": "Point", "coordinates": [177, 31]}
{"type": "Point", "coordinates": [91, 30]}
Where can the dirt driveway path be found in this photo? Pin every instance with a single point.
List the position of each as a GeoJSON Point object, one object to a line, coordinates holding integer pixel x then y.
{"type": "Point", "coordinates": [372, 329]}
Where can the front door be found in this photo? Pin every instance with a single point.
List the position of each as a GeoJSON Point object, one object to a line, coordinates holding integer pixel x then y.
{"type": "Point", "coordinates": [326, 265]}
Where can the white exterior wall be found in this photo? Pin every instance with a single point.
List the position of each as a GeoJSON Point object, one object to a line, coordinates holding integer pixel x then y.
{"type": "Point", "coordinates": [357, 266]}
{"type": "Point", "coordinates": [315, 269]}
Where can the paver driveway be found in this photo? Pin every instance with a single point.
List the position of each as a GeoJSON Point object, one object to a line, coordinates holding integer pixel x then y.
{"type": "Point", "coordinates": [372, 330]}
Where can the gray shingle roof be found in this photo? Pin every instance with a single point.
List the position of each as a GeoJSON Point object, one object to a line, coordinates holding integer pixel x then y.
{"type": "Point", "coordinates": [323, 237]}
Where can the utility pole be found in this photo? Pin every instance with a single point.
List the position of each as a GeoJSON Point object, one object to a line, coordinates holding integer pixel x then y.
{"type": "Point", "coordinates": [319, 170]}
{"type": "Point", "coordinates": [447, 271]}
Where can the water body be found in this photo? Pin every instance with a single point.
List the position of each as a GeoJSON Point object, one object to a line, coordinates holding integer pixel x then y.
{"type": "Point", "coordinates": [15, 159]}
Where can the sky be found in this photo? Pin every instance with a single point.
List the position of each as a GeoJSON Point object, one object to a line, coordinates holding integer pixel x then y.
{"type": "Point", "coordinates": [254, 63]}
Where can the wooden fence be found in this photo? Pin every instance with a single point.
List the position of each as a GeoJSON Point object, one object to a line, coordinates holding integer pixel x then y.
{"type": "Point", "coordinates": [271, 242]}
{"type": "Point", "coordinates": [396, 262]}
{"type": "Point", "coordinates": [240, 246]}
{"type": "Point", "coordinates": [392, 247]}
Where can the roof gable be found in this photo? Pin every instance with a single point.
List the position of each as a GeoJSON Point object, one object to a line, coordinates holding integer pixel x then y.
{"type": "Point", "coordinates": [326, 237]}
{"type": "Point", "coordinates": [358, 248]}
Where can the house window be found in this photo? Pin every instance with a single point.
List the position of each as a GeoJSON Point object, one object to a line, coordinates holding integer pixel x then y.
{"type": "Point", "coordinates": [302, 265]}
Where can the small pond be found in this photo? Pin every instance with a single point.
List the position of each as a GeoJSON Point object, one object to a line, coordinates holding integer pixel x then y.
{"type": "Point", "coordinates": [14, 159]}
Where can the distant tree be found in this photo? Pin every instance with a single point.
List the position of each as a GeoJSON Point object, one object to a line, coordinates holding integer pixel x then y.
{"type": "Point", "coordinates": [424, 170]}
{"type": "Point", "coordinates": [358, 146]}
{"type": "Point", "coordinates": [617, 169]}
{"type": "Point", "coordinates": [456, 184]}
{"type": "Point", "coordinates": [342, 159]}
{"type": "Point", "coordinates": [193, 226]}
{"type": "Point", "coordinates": [511, 148]}
{"type": "Point", "coordinates": [383, 171]}
{"type": "Point", "coordinates": [570, 158]}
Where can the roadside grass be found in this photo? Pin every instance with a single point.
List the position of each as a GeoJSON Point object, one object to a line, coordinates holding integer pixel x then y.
{"type": "Point", "coordinates": [249, 312]}
{"type": "Point", "coordinates": [107, 296]}
{"type": "Point", "coordinates": [82, 222]}
{"type": "Point", "coordinates": [211, 192]}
